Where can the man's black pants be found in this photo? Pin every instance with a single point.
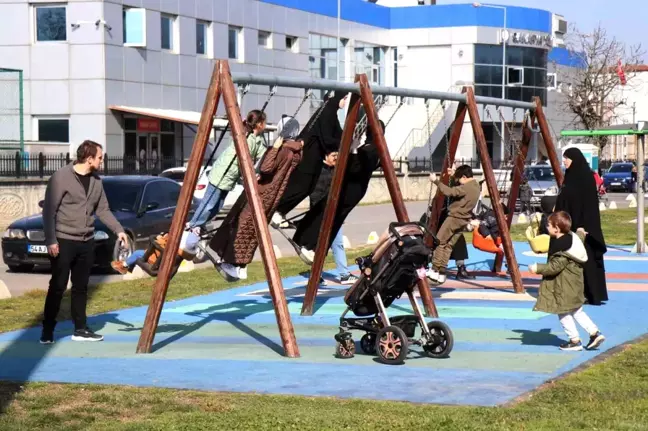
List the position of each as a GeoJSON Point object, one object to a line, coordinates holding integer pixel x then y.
{"type": "Point", "coordinates": [76, 257]}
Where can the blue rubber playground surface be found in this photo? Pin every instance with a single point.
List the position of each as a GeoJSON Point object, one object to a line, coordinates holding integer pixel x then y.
{"type": "Point", "coordinates": [228, 341]}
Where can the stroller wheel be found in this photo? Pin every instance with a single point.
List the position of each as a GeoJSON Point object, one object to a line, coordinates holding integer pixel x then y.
{"type": "Point", "coordinates": [391, 345]}
{"type": "Point", "coordinates": [345, 349]}
{"type": "Point", "coordinates": [368, 344]}
{"type": "Point", "coordinates": [440, 344]}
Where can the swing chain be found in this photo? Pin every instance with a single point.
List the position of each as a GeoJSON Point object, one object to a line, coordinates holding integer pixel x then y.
{"type": "Point", "coordinates": [401, 103]}
{"type": "Point", "coordinates": [307, 94]}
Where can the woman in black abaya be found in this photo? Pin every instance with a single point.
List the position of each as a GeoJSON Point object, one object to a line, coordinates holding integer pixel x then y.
{"type": "Point", "coordinates": [321, 140]}
{"type": "Point", "coordinates": [360, 168]}
{"type": "Point", "coordinates": [579, 198]}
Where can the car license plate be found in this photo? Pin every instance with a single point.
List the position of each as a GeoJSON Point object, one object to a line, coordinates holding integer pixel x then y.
{"type": "Point", "coordinates": [37, 249]}
{"type": "Point", "coordinates": [616, 184]}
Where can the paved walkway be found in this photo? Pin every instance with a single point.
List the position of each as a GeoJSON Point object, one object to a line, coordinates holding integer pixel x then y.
{"type": "Point", "coordinates": [228, 341]}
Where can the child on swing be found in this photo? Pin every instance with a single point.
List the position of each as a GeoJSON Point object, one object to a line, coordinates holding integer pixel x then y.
{"type": "Point", "coordinates": [225, 171]}
{"type": "Point", "coordinates": [187, 250]}
{"type": "Point", "coordinates": [486, 223]}
{"type": "Point", "coordinates": [563, 283]}
{"type": "Point", "coordinates": [460, 212]}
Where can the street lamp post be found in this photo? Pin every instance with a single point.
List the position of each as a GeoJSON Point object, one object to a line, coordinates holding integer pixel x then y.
{"type": "Point", "coordinates": [504, 39]}
{"type": "Point", "coordinates": [337, 66]}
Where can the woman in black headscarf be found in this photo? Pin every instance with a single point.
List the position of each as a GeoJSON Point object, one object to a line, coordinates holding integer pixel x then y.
{"type": "Point", "coordinates": [321, 138]}
{"type": "Point", "coordinates": [360, 168]}
{"type": "Point", "coordinates": [579, 198]}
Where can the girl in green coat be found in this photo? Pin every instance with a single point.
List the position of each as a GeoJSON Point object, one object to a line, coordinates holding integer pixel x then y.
{"type": "Point", "coordinates": [562, 287]}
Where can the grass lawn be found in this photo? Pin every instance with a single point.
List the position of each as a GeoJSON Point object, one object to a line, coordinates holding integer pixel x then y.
{"type": "Point", "coordinates": [617, 227]}
{"type": "Point", "coordinates": [609, 395]}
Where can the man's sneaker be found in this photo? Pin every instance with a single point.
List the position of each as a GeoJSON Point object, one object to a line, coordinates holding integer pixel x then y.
{"type": "Point", "coordinates": [307, 256]}
{"type": "Point", "coordinates": [348, 279]}
{"type": "Point", "coordinates": [572, 346]}
{"type": "Point", "coordinates": [595, 341]}
{"type": "Point", "coordinates": [242, 272]}
{"type": "Point", "coordinates": [86, 335]}
{"type": "Point", "coordinates": [47, 336]}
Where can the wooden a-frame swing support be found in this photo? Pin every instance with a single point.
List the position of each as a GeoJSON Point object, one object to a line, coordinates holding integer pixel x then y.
{"type": "Point", "coordinates": [503, 222]}
{"type": "Point", "coordinates": [221, 85]}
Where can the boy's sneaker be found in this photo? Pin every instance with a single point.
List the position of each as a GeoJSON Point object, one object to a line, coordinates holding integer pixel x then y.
{"type": "Point", "coordinates": [47, 336]}
{"type": "Point", "coordinates": [435, 276]}
{"type": "Point", "coordinates": [595, 341]}
{"type": "Point", "coordinates": [119, 266]}
{"type": "Point", "coordinates": [572, 346]}
{"type": "Point", "coordinates": [86, 335]}
{"type": "Point", "coordinates": [348, 279]}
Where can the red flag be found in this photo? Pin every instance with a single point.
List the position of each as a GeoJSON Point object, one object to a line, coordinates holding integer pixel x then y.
{"type": "Point", "coordinates": [621, 73]}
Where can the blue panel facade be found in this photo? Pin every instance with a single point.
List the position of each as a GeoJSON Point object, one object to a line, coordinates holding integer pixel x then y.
{"type": "Point", "coordinates": [564, 57]}
{"type": "Point", "coordinates": [460, 15]}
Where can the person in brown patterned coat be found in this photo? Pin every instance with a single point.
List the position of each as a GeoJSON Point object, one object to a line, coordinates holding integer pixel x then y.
{"type": "Point", "coordinates": [236, 241]}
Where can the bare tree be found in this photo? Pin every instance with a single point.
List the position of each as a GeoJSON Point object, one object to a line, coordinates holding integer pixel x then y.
{"type": "Point", "coordinates": [593, 94]}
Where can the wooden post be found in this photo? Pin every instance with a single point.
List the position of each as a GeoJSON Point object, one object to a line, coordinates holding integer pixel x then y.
{"type": "Point", "coordinates": [331, 205]}
{"type": "Point", "coordinates": [251, 188]}
{"type": "Point", "coordinates": [546, 137]}
{"type": "Point", "coordinates": [518, 171]}
{"type": "Point", "coordinates": [437, 203]}
{"type": "Point", "coordinates": [487, 167]}
{"type": "Point", "coordinates": [180, 215]}
{"type": "Point", "coordinates": [391, 179]}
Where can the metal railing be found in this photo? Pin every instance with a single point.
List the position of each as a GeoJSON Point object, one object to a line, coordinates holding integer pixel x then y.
{"type": "Point", "coordinates": [24, 165]}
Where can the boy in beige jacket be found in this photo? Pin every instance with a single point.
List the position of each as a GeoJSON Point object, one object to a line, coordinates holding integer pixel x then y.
{"type": "Point", "coordinates": [460, 212]}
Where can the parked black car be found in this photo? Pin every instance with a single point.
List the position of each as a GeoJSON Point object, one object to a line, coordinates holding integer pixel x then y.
{"type": "Point", "coordinates": [144, 205]}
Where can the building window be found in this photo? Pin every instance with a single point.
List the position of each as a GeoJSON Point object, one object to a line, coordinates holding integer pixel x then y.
{"type": "Point", "coordinates": [369, 59]}
{"type": "Point", "coordinates": [292, 44]}
{"type": "Point", "coordinates": [202, 37]}
{"type": "Point", "coordinates": [53, 129]}
{"type": "Point", "coordinates": [134, 27]}
{"type": "Point", "coordinates": [168, 32]}
{"type": "Point", "coordinates": [51, 23]}
{"type": "Point", "coordinates": [526, 69]}
{"type": "Point", "coordinates": [233, 42]}
{"type": "Point", "coordinates": [265, 39]}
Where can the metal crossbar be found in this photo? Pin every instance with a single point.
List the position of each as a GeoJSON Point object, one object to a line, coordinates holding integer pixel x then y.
{"type": "Point", "coordinates": [328, 84]}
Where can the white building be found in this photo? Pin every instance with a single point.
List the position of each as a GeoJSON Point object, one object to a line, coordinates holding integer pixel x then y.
{"type": "Point", "coordinates": [132, 74]}
{"type": "Point", "coordinates": [634, 108]}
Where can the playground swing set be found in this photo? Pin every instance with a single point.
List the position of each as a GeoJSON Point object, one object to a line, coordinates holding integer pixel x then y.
{"type": "Point", "coordinates": [222, 85]}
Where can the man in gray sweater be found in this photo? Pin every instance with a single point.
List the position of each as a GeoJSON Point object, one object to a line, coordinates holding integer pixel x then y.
{"type": "Point", "coordinates": [73, 197]}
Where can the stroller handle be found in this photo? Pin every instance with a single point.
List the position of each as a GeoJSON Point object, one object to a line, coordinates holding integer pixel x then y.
{"type": "Point", "coordinates": [394, 225]}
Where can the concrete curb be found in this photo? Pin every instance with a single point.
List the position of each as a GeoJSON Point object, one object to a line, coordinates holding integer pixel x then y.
{"type": "Point", "coordinates": [346, 242]}
{"type": "Point", "coordinates": [4, 291]}
{"type": "Point", "coordinates": [373, 238]}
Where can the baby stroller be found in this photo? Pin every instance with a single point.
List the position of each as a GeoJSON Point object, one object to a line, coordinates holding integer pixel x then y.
{"type": "Point", "coordinates": [393, 268]}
